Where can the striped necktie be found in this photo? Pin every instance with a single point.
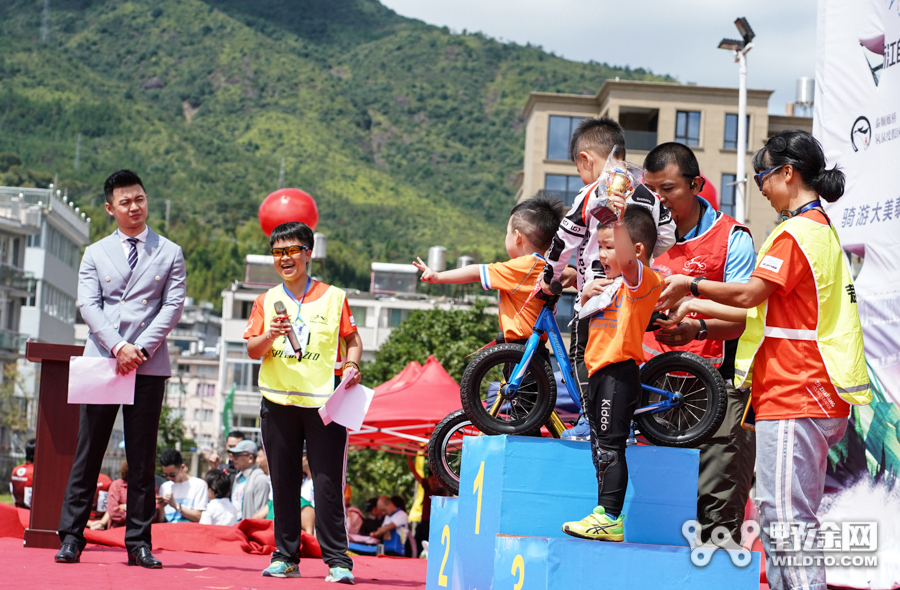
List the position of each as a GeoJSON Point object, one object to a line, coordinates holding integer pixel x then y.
{"type": "Point", "coordinates": [133, 254]}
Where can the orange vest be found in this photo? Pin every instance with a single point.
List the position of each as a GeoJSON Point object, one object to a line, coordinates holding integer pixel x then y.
{"type": "Point", "coordinates": [703, 256]}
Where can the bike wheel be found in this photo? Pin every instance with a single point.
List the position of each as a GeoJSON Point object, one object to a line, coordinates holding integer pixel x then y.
{"type": "Point", "coordinates": [699, 412]}
{"type": "Point", "coordinates": [445, 448]}
{"type": "Point", "coordinates": [486, 377]}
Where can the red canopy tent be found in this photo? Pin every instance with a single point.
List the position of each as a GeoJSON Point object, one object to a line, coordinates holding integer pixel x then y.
{"type": "Point", "coordinates": [406, 409]}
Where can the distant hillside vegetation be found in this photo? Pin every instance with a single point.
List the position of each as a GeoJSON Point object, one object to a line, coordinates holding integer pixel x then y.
{"type": "Point", "coordinates": [408, 136]}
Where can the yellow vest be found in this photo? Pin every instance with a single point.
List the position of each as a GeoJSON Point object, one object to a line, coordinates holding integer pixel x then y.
{"type": "Point", "coordinates": [838, 331]}
{"type": "Point", "coordinates": [309, 383]}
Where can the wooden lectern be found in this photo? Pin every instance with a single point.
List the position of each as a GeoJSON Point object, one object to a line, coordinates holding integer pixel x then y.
{"type": "Point", "coordinates": [57, 437]}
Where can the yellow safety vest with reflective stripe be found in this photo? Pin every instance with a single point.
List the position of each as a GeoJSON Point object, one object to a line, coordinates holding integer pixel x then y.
{"type": "Point", "coordinates": [838, 331]}
{"type": "Point", "coordinates": [288, 381]}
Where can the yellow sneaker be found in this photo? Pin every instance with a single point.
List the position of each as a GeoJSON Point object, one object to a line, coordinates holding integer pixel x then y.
{"type": "Point", "coordinates": [597, 526]}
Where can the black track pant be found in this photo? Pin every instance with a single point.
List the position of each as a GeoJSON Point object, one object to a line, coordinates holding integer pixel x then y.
{"type": "Point", "coordinates": [611, 399]}
{"type": "Point", "coordinates": [578, 340]}
{"type": "Point", "coordinates": [284, 429]}
{"type": "Point", "coordinates": [141, 424]}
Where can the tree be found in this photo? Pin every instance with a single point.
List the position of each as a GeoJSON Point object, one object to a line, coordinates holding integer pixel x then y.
{"type": "Point", "coordinates": [13, 403]}
{"type": "Point", "coordinates": [448, 335]}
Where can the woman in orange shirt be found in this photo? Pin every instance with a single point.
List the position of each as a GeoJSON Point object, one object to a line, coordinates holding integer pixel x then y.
{"type": "Point", "coordinates": [803, 374]}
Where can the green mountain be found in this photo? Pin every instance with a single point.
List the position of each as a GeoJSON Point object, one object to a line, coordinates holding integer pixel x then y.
{"type": "Point", "coordinates": [406, 135]}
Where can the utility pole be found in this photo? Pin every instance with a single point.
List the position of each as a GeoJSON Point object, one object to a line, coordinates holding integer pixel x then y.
{"type": "Point", "coordinates": [281, 174]}
{"type": "Point", "coordinates": [78, 152]}
{"type": "Point", "coordinates": [45, 22]}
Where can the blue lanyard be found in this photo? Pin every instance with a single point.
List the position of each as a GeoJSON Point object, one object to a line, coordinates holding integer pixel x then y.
{"type": "Point", "coordinates": [299, 303]}
{"type": "Point", "coordinates": [802, 210]}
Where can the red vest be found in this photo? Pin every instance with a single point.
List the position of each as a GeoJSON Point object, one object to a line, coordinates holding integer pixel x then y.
{"type": "Point", "coordinates": [703, 256]}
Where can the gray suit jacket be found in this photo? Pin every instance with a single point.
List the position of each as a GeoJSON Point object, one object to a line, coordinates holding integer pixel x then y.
{"type": "Point", "coordinates": [140, 306]}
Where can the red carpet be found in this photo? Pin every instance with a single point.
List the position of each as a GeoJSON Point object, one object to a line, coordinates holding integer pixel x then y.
{"type": "Point", "coordinates": [194, 556]}
{"type": "Point", "coordinates": [103, 568]}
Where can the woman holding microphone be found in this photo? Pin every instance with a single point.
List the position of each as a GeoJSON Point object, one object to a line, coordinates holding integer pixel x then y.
{"type": "Point", "coordinates": [801, 352]}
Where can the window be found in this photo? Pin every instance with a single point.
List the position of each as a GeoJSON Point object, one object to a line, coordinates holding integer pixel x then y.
{"type": "Point", "coordinates": [203, 415]}
{"type": "Point", "coordinates": [565, 187]}
{"type": "Point", "coordinates": [62, 248]}
{"type": "Point", "coordinates": [246, 308]}
{"type": "Point", "coordinates": [731, 131]}
{"type": "Point", "coordinates": [206, 389]}
{"type": "Point", "coordinates": [359, 315]}
{"type": "Point", "coordinates": [560, 132]}
{"type": "Point", "coordinates": [57, 304]}
{"type": "Point", "coordinates": [397, 317]}
{"type": "Point", "coordinates": [687, 127]}
{"type": "Point", "coordinates": [726, 195]}
{"type": "Point", "coordinates": [243, 375]}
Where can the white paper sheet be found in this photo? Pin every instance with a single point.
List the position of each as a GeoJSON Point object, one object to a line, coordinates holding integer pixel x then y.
{"type": "Point", "coordinates": [347, 407]}
{"type": "Point", "coordinates": [93, 380]}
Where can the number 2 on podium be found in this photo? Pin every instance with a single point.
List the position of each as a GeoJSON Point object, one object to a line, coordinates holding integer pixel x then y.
{"type": "Point", "coordinates": [519, 564]}
{"type": "Point", "coordinates": [445, 541]}
{"type": "Point", "coordinates": [479, 486]}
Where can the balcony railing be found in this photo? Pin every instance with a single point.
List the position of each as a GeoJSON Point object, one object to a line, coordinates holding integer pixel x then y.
{"type": "Point", "coordinates": [14, 277]}
{"type": "Point", "coordinates": [10, 341]}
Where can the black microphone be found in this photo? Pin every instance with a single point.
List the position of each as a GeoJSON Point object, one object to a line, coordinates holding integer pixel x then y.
{"type": "Point", "coordinates": [292, 336]}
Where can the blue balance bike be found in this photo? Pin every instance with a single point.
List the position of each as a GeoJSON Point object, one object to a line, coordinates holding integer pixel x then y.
{"type": "Point", "coordinates": [510, 389]}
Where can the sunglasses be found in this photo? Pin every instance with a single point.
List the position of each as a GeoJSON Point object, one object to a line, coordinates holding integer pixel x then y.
{"type": "Point", "coordinates": [290, 251]}
{"type": "Point", "coordinates": [169, 475]}
{"type": "Point", "coordinates": [762, 175]}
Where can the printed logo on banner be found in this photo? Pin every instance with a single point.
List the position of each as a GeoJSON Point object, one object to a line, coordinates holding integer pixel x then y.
{"type": "Point", "coordinates": [861, 133]}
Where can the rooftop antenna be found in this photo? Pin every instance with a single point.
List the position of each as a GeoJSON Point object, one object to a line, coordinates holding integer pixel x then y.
{"type": "Point", "coordinates": [45, 22]}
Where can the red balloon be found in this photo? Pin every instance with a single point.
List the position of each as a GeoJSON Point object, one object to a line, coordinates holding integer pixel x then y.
{"type": "Point", "coordinates": [287, 204]}
{"type": "Point", "coordinates": [709, 193]}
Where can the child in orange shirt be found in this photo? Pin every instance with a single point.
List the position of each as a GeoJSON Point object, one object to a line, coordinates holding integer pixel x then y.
{"type": "Point", "coordinates": [532, 225]}
{"type": "Point", "coordinates": [612, 356]}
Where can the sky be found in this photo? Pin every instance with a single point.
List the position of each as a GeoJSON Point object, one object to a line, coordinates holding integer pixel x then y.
{"type": "Point", "coordinates": [679, 38]}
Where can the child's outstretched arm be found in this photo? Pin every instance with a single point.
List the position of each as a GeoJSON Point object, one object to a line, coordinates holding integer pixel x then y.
{"type": "Point", "coordinates": [625, 253]}
{"type": "Point", "coordinates": [466, 274]}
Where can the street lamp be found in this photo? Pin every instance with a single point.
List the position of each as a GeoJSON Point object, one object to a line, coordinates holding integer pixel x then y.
{"type": "Point", "coordinates": [740, 48]}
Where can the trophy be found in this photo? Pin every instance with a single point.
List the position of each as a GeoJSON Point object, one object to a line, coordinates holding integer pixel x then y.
{"type": "Point", "coordinates": [618, 176]}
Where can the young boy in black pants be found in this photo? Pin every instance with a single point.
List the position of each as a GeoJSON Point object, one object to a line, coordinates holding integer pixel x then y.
{"type": "Point", "coordinates": [612, 355]}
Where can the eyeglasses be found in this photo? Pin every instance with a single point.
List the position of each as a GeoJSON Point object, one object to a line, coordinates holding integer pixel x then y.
{"type": "Point", "coordinates": [762, 175]}
{"type": "Point", "coordinates": [170, 475]}
{"type": "Point", "coordinates": [290, 251]}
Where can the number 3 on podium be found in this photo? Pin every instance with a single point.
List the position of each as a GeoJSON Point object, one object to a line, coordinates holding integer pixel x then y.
{"type": "Point", "coordinates": [519, 564]}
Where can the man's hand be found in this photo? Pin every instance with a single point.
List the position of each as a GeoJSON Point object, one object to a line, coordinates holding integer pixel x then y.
{"type": "Point", "coordinates": [128, 359]}
{"type": "Point", "coordinates": [677, 286]}
{"type": "Point", "coordinates": [428, 275]}
{"type": "Point", "coordinates": [214, 460]}
{"type": "Point", "coordinates": [676, 313]}
{"type": "Point", "coordinates": [569, 277]}
{"type": "Point", "coordinates": [96, 525]}
{"type": "Point", "coordinates": [680, 335]}
{"type": "Point", "coordinates": [595, 287]}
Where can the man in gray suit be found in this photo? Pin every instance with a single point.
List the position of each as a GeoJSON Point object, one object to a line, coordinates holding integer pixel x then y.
{"type": "Point", "coordinates": [131, 288]}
